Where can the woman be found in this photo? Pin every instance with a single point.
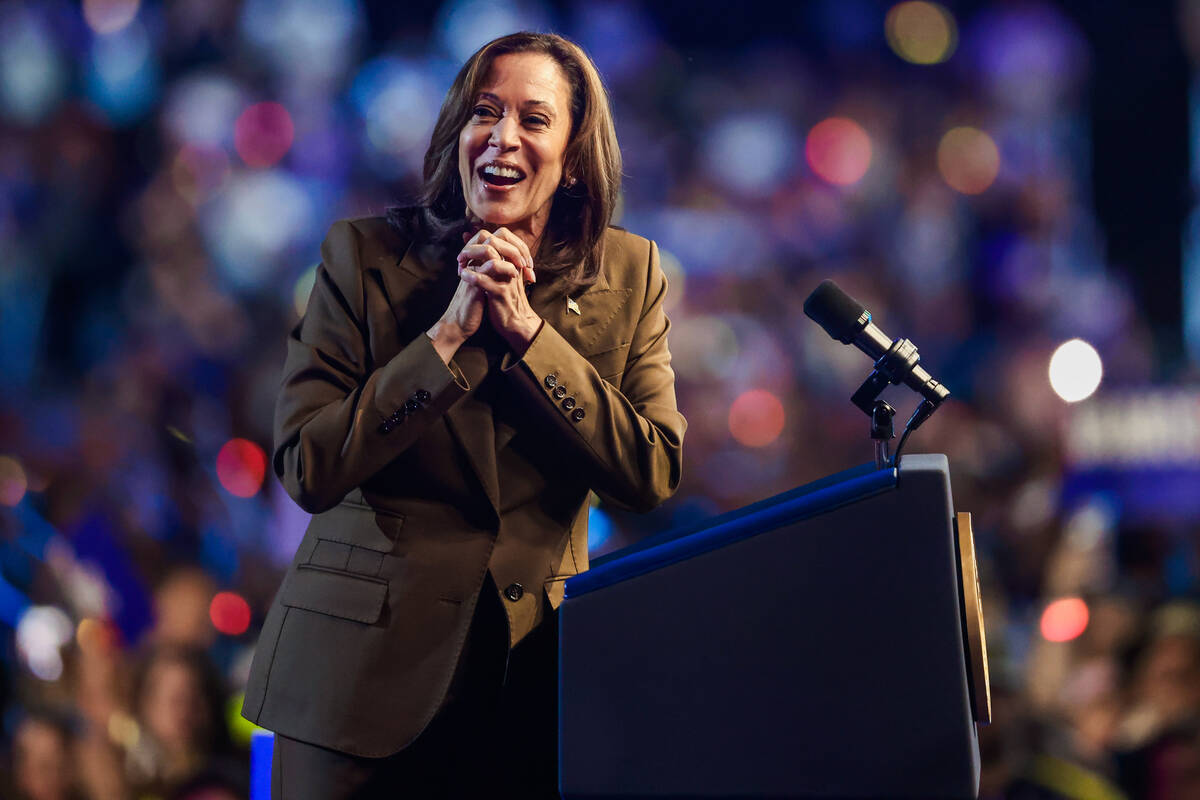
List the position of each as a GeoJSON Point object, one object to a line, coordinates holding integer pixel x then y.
{"type": "Point", "coordinates": [465, 373]}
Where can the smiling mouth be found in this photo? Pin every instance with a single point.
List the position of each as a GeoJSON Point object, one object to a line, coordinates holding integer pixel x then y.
{"type": "Point", "coordinates": [496, 174]}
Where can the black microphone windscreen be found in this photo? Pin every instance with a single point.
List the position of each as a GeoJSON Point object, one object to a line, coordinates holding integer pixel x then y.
{"type": "Point", "coordinates": [837, 312]}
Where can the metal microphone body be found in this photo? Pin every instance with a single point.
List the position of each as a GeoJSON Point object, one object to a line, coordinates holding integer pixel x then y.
{"type": "Point", "coordinates": [848, 321]}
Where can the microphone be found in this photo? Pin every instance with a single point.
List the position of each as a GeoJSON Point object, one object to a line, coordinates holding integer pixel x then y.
{"type": "Point", "coordinates": [848, 321]}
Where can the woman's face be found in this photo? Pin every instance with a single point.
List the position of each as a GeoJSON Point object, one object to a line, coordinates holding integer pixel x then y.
{"type": "Point", "coordinates": [510, 152]}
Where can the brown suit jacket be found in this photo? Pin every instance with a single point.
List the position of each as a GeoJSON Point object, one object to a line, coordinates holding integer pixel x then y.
{"type": "Point", "coordinates": [422, 478]}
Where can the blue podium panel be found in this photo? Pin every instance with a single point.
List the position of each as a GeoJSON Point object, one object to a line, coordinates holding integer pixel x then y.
{"type": "Point", "coordinates": [810, 645]}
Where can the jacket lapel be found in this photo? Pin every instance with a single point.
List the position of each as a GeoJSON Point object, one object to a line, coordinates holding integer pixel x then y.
{"type": "Point", "coordinates": [419, 287]}
{"type": "Point", "coordinates": [585, 322]}
{"type": "Point", "coordinates": [470, 420]}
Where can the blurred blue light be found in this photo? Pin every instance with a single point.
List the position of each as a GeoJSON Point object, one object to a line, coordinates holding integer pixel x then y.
{"type": "Point", "coordinates": [219, 554]}
{"type": "Point", "coordinates": [399, 103]}
{"type": "Point", "coordinates": [748, 153]}
{"type": "Point", "coordinates": [707, 241]}
{"type": "Point", "coordinates": [33, 76]}
{"type": "Point", "coordinates": [1191, 285]}
{"type": "Point", "coordinates": [253, 223]}
{"type": "Point", "coordinates": [619, 37]}
{"type": "Point", "coordinates": [1029, 56]}
{"type": "Point", "coordinates": [600, 529]}
{"type": "Point", "coordinates": [311, 40]}
{"type": "Point", "coordinates": [122, 77]}
{"type": "Point", "coordinates": [13, 603]}
{"type": "Point", "coordinates": [466, 25]}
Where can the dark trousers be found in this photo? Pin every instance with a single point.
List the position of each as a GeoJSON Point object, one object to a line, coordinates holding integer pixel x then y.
{"type": "Point", "coordinates": [496, 736]}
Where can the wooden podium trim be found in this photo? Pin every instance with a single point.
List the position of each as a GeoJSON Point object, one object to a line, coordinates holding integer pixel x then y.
{"type": "Point", "coordinates": [977, 663]}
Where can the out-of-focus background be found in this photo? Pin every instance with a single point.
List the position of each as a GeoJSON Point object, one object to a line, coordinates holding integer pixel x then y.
{"type": "Point", "coordinates": [1010, 185]}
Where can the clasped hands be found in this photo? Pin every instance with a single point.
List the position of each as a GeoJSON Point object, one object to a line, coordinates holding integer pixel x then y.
{"type": "Point", "coordinates": [492, 269]}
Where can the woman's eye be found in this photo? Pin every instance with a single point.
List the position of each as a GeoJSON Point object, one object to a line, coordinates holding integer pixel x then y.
{"type": "Point", "coordinates": [483, 111]}
{"type": "Point", "coordinates": [538, 121]}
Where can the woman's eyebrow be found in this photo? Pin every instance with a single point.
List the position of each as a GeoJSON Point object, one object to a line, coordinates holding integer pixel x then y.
{"type": "Point", "coordinates": [541, 105]}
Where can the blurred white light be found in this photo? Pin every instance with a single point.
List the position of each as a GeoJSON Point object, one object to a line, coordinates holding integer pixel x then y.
{"type": "Point", "coordinates": [254, 222]}
{"type": "Point", "coordinates": [32, 74]}
{"type": "Point", "coordinates": [399, 104]}
{"type": "Point", "coordinates": [306, 39]}
{"type": "Point", "coordinates": [467, 25]}
{"type": "Point", "coordinates": [202, 109]}
{"type": "Point", "coordinates": [109, 16]}
{"type": "Point", "coordinates": [751, 153]}
{"type": "Point", "coordinates": [1075, 370]}
{"type": "Point", "coordinates": [41, 631]}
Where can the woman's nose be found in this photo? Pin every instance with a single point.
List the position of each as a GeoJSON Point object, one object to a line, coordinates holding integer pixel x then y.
{"type": "Point", "coordinates": [504, 133]}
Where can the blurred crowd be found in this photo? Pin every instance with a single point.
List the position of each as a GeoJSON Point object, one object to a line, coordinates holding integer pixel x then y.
{"type": "Point", "coordinates": [167, 172]}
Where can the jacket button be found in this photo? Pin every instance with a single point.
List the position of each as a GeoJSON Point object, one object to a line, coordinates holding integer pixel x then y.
{"type": "Point", "coordinates": [577, 414]}
{"type": "Point", "coordinates": [560, 391]}
{"type": "Point", "coordinates": [551, 381]}
{"type": "Point", "coordinates": [514, 591]}
{"type": "Point", "coordinates": [568, 403]}
{"type": "Point", "coordinates": [421, 396]}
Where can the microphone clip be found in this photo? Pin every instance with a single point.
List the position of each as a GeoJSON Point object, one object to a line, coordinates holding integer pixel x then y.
{"type": "Point", "coordinates": [892, 367]}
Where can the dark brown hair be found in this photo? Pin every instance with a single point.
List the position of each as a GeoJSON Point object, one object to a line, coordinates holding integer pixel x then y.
{"type": "Point", "coordinates": [573, 243]}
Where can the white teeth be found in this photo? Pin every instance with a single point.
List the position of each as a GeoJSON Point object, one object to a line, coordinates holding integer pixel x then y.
{"type": "Point", "coordinates": [503, 172]}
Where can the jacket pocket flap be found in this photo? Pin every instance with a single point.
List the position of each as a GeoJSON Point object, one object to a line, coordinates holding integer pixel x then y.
{"type": "Point", "coordinates": [360, 525]}
{"type": "Point", "coordinates": [337, 593]}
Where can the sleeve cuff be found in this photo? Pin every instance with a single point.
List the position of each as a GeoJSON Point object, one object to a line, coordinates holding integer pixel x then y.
{"type": "Point", "coordinates": [416, 381]}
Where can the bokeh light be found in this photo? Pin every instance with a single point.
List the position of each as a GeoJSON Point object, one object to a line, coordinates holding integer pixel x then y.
{"type": "Point", "coordinates": [250, 245]}
{"type": "Point", "coordinates": [33, 73]}
{"type": "Point", "coordinates": [676, 279]}
{"type": "Point", "coordinates": [122, 78]}
{"type": "Point", "coordinates": [241, 730]}
{"type": "Point", "coordinates": [198, 171]}
{"type": "Point", "coordinates": [838, 150]}
{"type": "Point", "coordinates": [302, 289]}
{"type": "Point", "coordinates": [466, 25]}
{"type": "Point", "coordinates": [703, 346]}
{"type": "Point", "coordinates": [1075, 370]}
{"type": "Point", "coordinates": [310, 42]}
{"type": "Point", "coordinates": [398, 102]}
{"type": "Point", "coordinates": [202, 108]}
{"type": "Point", "coordinates": [41, 632]}
{"type": "Point", "coordinates": [921, 33]}
{"type": "Point", "coordinates": [756, 418]}
{"type": "Point", "coordinates": [263, 134]}
{"type": "Point", "coordinates": [600, 529]}
{"type": "Point", "coordinates": [968, 159]}
{"type": "Point", "coordinates": [95, 636]}
{"type": "Point", "coordinates": [241, 467]}
{"type": "Point", "coordinates": [230, 613]}
{"type": "Point", "coordinates": [109, 16]}
{"type": "Point", "coordinates": [750, 154]}
{"type": "Point", "coordinates": [1064, 619]}
{"type": "Point", "coordinates": [13, 481]}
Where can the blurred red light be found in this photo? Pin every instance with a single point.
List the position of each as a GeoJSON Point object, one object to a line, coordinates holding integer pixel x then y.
{"type": "Point", "coordinates": [1064, 620]}
{"type": "Point", "coordinates": [263, 134]}
{"type": "Point", "coordinates": [756, 418]}
{"type": "Point", "coordinates": [230, 613]}
{"type": "Point", "coordinates": [838, 150]}
{"type": "Point", "coordinates": [241, 467]}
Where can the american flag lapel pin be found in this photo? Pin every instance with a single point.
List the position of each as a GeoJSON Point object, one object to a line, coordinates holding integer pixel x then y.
{"type": "Point", "coordinates": [573, 306]}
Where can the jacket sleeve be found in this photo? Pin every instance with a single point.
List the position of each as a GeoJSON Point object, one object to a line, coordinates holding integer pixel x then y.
{"type": "Point", "coordinates": [632, 436]}
{"type": "Point", "coordinates": [338, 419]}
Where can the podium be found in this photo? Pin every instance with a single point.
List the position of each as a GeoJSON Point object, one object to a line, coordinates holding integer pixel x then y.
{"type": "Point", "coordinates": [826, 642]}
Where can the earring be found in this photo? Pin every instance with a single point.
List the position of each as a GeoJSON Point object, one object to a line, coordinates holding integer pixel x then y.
{"type": "Point", "coordinates": [568, 183]}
